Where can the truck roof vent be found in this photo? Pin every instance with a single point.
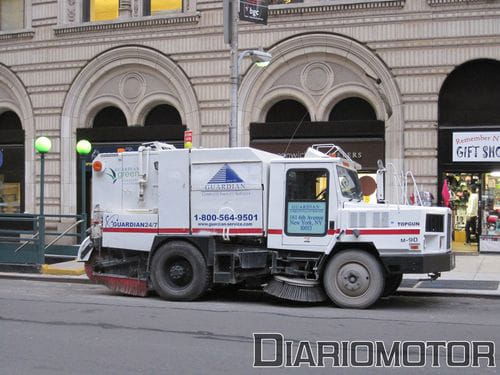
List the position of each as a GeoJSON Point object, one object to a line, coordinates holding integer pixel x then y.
{"type": "Point", "coordinates": [159, 146]}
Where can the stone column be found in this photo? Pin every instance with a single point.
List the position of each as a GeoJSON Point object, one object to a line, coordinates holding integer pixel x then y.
{"type": "Point", "coordinates": [125, 9]}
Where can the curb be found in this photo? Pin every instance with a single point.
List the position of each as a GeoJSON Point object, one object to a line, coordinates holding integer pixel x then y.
{"type": "Point", "coordinates": [48, 278]}
{"type": "Point", "coordinates": [401, 291]}
{"type": "Point", "coordinates": [448, 292]}
{"type": "Point", "coordinates": [48, 269]}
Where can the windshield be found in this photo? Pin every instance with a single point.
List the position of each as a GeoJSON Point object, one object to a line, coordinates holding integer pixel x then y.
{"type": "Point", "coordinates": [349, 183]}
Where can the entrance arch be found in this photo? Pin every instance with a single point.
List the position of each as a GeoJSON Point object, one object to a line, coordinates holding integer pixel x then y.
{"type": "Point", "coordinates": [16, 113]}
{"type": "Point", "coordinates": [129, 78]}
{"type": "Point", "coordinates": [469, 151]}
{"type": "Point", "coordinates": [323, 68]}
{"type": "Point", "coordinates": [470, 95]}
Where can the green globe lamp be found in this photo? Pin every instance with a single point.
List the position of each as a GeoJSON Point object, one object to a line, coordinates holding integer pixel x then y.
{"type": "Point", "coordinates": [83, 147]}
{"type": "Point", "coordinates": [43, 145]}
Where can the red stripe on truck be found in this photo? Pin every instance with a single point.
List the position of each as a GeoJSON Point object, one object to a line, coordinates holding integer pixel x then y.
{"type": "Point", "coordinates": [231, 230]}
{"type": "Point", "coordinates": [130, 230]}
{"type": "Point", "coordinates": [174, 230]}
{"type": "Point", "coordinates": [147, 230]}
{"type": "Point", "coordinates": [369, 232]}
{"type": "Point", "coordinates": [275, 231]}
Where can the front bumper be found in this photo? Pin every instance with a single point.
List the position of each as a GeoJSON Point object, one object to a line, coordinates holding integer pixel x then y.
{"type": "Point", "coordinates": [419, 263]}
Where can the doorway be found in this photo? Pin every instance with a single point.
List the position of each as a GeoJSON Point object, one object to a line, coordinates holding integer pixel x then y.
{"type": "Point", "coordinates": [465, 191]}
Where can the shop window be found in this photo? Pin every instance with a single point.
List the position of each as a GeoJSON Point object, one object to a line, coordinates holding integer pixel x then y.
{"type": "Point", "coordinates": [490, 238]}
{"type": "Point", "coordinates": [352, 109]}
{"type": "Point", "coordinates": [153, 7]}
{"type": "Point", "coordinates": [11, 15]}
{"type": "Point", "coordinates": [288, 111]}
{"type": "Point", "coordinates": [100, 10]}
{"type": "Point", "coordinates": [163, 114]}
{"type": "Point", "coordinates": [306, 202]}
{"type": "Point", "coordinates": [109, 117]}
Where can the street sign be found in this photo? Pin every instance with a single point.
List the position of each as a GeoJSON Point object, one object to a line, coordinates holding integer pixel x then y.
{"type": "Point", "coordinates": [254, 11]}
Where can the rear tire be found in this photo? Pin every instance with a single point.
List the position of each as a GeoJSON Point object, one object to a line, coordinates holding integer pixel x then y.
{"type": "Point", "coordinates": [354, 279]}
{"type": "Point", "coordinates": [392, 283]}
{"type": "Point", "coordinates": [179, 272]}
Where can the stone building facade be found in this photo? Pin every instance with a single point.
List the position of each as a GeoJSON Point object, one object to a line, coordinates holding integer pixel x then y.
{"type": "Point", "coordinates": [58, 72]}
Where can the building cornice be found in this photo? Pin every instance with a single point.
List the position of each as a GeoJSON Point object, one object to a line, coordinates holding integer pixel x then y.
{"type": "Point", "coordinates": [434, 3]}
{"type": "Point", "coordinates": [289, 9]}
{"type": "Point", "coordinates": [23, 34]}
{"type": "Point", "coordinates": [128, 24]}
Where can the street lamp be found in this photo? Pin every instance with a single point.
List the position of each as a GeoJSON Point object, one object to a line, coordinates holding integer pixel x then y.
{"type": "Point", "coordinates": [83, 148]}
{"type": "Point", "coordinates": [42, 145]}
{"type": "Point", "coordinates": [260, 59]}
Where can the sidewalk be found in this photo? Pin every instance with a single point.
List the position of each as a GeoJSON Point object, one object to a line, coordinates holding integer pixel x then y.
{"type": "Point", "coordinates": [474, 275]}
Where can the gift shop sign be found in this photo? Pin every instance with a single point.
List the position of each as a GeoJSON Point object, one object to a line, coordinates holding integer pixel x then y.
{"type": "Point", "coordinates": [478, 146]}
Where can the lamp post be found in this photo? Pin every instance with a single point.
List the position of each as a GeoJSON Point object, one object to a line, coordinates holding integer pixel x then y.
{"type": "Point", "coordinates": [83, 148]}
{"type": "Point", "coordinates": [42, 146]}
{"type": "Point", "coordinates": [260, 59]}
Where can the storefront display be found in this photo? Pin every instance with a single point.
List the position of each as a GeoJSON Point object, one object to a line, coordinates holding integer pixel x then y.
{"type": "Point", "coordinates": [475, 203]}
{"type": "Point", "coordinates": [464, 202]}
{"type": "Point", "coordinates": [11, 178]}
{"type": "Point", "coordinates": [490, 233]}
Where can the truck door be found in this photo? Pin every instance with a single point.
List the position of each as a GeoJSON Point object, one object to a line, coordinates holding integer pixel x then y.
{"type": "Point", "coordinates": [305, 214]}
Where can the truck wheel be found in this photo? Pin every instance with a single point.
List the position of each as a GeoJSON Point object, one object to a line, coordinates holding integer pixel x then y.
{"type": "Point", "coordinates": [179, 272]}
{"type": "Point", "coordinates": [392, 283]}
{"type": "Point", "coordinates": [354, 279]}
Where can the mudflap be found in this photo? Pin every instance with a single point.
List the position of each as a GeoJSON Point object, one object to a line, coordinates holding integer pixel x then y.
{"type": "Point", "coordinates": [117, 283]}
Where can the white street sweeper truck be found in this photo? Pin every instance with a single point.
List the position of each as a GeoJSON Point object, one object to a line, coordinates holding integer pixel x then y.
{"type": "Point", "coordinates": [181, 221]}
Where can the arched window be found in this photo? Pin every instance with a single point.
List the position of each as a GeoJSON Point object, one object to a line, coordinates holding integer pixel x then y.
{"type": "Point", "coordinates": [109, 117]}
{"type": "Point", "coordinates": [163, 114]}
{"type": "Point", "coordinates": [470, 95]}
{"type": "Point", "coordinates": [352, 109]}
{"type": "Point", "coordinates": [9, 120]}
{"type": "Point", "coordinates": [288, 111]}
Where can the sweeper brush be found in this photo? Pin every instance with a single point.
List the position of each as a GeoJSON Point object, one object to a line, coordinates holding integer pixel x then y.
{"type": "Point", "coordinates": [117, 283]}
{"type": "Point", "coordinates": [295, 289]}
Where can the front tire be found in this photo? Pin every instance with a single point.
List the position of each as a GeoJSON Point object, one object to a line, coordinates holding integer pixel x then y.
{"type": "Point", "coordinates": [179, 272]}
{"type": "Point", "coordinates": [354, 279]}
{"type": "Point", "coordinates": [392, 283]}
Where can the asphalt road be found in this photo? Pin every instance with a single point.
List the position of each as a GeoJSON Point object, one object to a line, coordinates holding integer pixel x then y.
{"type": "Point", "coordinates": [59, 328]}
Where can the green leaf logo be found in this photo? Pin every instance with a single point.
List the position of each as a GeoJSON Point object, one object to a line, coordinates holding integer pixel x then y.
{"type": "Point", "coordinates": [111, 174]}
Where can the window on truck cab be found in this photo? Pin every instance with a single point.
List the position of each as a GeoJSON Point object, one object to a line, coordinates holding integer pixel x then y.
{"type": "Point", "coordinates": [306, 209]}
{"type": "Point", "coordinates": [349, 183]}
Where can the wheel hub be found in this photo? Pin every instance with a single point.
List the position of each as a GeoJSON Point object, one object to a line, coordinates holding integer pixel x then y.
{"type": "Point", "coordinates": [179, 272]}
{"type": "Point", "coordinates": [353, 279]}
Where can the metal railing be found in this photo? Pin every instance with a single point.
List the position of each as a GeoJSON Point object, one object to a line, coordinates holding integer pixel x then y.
{"type": "Point", "coordinates": [23, 237]}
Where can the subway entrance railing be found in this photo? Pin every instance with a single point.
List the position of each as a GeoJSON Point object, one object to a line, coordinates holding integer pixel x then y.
{"type": "Point", "coordinates": [24, 238]}
{"type": "Point", "coordinates": [26, 241]}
